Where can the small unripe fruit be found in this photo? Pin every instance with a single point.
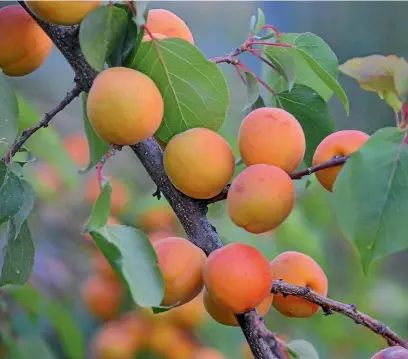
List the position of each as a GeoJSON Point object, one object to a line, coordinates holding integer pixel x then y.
{"type": "Point", "coordinates": [298, 269]}
{"type": "Point", "coordinates": [395, 352]}
{"type": "Point", "coordinates": [199, 162]}
{"type": "Point", "coordinates": [180, 262]}
{"type": "Point", "coordinates": [156, 36]}
{"type": "Point", "coordinates": [260, 198]}
{"type": "Point", "coordinates": [238, 277]}
{"type": "Point", "coordinates": [62, 12]}
{"type": "Point", "coordinates": [169, 24]}
{"type": "Point", "coordinates": [124, 106]}
{"type": "Point", "coordinates": [272, 136]}
{"type": "Point", "coordinates": [341, 143]}
{"type": "Point", "coordinates": [226, 317]}
{"type": "Point", "coordinates": [24, 46]}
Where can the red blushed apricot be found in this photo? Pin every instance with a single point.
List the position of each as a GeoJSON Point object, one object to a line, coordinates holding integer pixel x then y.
{"type": "Point", "coordinates": [156, 236]}
{"type": "Point", "coordinates": [260, 198]}
{"type": "Point", "coordinates": [272, 136]}
{"type": "Point", "coordinates": [77, 148]}
{"type": "Point", "coordinates": [180, 262]}
{"type": "Point", "coordinates": [225, 317]}
{"type": "Point", "coordinates": [395, 352]}
{"type": "Point", "coordinates": [199, 162]}
{"type": "Point", "coordinates": [298, 269]}
{"type": "Point", "coordinates": [169, 24]}
{"type": "Point", "coordinates": [341, 143]}
{"type": "Point", "coordinates": [156, 36]}
{"type": "Point", "coordinates": [24, 46]}
{"type": "Point", "coordinates": [238, 277]}
{"type": "Point", "coordinates": [208, 353]}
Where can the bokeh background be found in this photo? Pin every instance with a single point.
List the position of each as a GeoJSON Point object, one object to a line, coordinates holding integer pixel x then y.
{"type": "Point", "coordinates": [64, 257]}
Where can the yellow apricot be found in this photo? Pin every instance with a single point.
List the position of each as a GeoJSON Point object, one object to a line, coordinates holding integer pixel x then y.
{"type": "Point", "coordinates": [223, 316]}
{"type": "Point", "coordinates": [156, 36]}
{"type": "Point", "coordinates": [24, 46]}
{"type": "Point", "coordinates": [341, 143]}
{"type": "Point", "coordinates": [124, 106]}
{"type": "Point", "coordinates": [199, 162]}
{"type": "Point", "coordinates": [298, 269]}
{"type": "Point", "coordinates": [272, 136]}
{"type": "Point", "coordinates": [238, 277]}
{"type": "Point", "coordinates": [260, 198]}
{"type": "Point", "coordinates": [62, 12]}
{"type": "Point", "coordinates": [180, 262]}
{"type": "Point", "coordinates": [169, 24]}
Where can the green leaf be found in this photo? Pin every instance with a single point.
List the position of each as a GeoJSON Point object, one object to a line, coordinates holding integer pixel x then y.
{"type": "Point", "coordinates": [401, 79]}
{"type": "Point", "coordinates": [194, 89]}
{"type": "Point", "coordinates": [101, 209]}
{"type": "Point", "coordinates": [258, 103]}
{"type": "Point", "coordinates": [99, 33]}
{"type": "Point", "coordinates": [131, 254]}
{"type": "Point", "coordinates": [301, 349]}
{"type": "Point", "coordinates": [371, 196]}
{"type": "Point", "coordinates": [11, 193]}
{"type": "Point", "coordinates": [97, 147]}
{"type": "Point", "coordinates": [162, 309]}
{"type": "Point", "coordinates": [8, 115]}
{"type": "Point", "coordinates": [283, 58]}
{"type": "Point", "coordinates": [257, 22]}
{"type": "Point", "coordinates": [252, 90]}
{"type": "Point", "coordinates": [313, 114]}
{"type": "Point", "coordinates": [34, 346]}
{"type": "Point", "coordinates": [26, 208]}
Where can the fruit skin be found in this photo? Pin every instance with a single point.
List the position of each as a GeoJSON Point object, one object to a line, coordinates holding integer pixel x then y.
{"type": "Point", "coordinates": [199, 162]}
{"type": "Point", "coordinates": [77, 148]}
{"type": "Point", "coordinates": [124, 106]}
{"type": "Point", "coordinates": [225, 317]}
{"type": "Point", "coordinates": [157, 218]}
{"type": "Point", "coordinates": [156, 236]}
{"type": "Point", "coordinates": [260, 198]}
{"type": "Point", "coordinates": [62, 12]}
{"type": "Point", "coordinates": [156, 36]}
{"type": "Point", "coordinates": [24, 46]}
{"type": "Point", "coordinates": [395, 352]}
{"type": "Point", "coordinates": [167, 23]}
{"type": "Point", "coordinates": [180, 262]}
{"type": "Point", "coordinates": [341, 143]}
{"type": "Point", "coordinates": [102, 267]}
{"type": "Point", "coordinates": [272, 136]}
{"type": "Point", "coordinates": [208, 353]}
{"type": "Point", "coordinates": [237, 268]}
{"type": "Point", "coordinates": [298, 269]}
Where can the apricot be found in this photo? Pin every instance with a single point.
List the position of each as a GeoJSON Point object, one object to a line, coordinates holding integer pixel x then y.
{"type": "Point", "coordinates": [238, 277]}
{"type": "Point", "coordinates": [62, 12]}
{"type": "Point", "coordinates": [169, 24]}
{"type": "Point", "coordinates": [272, 136]}
{"type": "Point", "coordinates": [341, 143]}
{"type": "Point", "coordinates": [102, 297]}
{"type": "Point", "coordinates": [298, 269]}
{"type": "Point", "coordinates": [396, 352]}
{"type": "Point", "coordinates": [156, 236]}
{"type": "Point", "coordinates": [77, 148]}
{"type": "Point", "coordinates": [102, 267]}
{"type": "Point", "coordinates": [124, 106]}
{"type": "Point", "coordinates": [260, 198]}
{"type": "Point", "coordinates": [24, 46]}
{"type": "Point", "coordinates": [48, 179]}
{"type": "Point", "coordinates": [157, 218]}
{"type": "Point", "coordinates": [225, 317]}
{"type": "Point", "coordinates": [208, 353]}
{"type": "Point", "coordinates": [156, 36]}
{"type": "Point", "coordinates": [138, 326]}
{"type": "Point", "coordinates": [180, 262]}
{"type": "Point", "coordinates": [199, 162]}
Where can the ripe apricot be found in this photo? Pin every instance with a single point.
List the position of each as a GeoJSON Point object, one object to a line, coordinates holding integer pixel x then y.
{"type": "Point", "coordinates": [62, 12]}
{"type": "Point", "coordinates": [180, 262]}
{"type": "Point", "coordinates": [223, 316]}
{"type": "Point", "coordinates": [102, 296]}
{"type": "Point", "coordinates": [298, 269]}
{"type": "Point", "coordinates": [102, 267]}
{"type": "Point", "coordinates": [24, 46]}
{"type": "Point", "coordinates": [157, 218]}
{"type": "Point", "coordinates": [260, 198]}
{"type": "Point", "coordinates": [77, 148]}
{"type": "Point", "coordinates": [169, 24]}
{"type": "Point", "coordinates": [156, 236]}
{"type": "Point", "coordinates": [208, 353]}
{"type": "Point", "coordinates": [238, 277]}
{"type": "Point", "coordinates": [395, 352]}
{"type": "Point", "coordinates": [156, 36]}
{"type": "Point", "coordinates": [341, 143]}
{"type": "Point", "coordinates": [124, 106]}
{"type": "Point", "coordinates": [199, 162]}
{"type": "Point", "coordinates": [272, 136]}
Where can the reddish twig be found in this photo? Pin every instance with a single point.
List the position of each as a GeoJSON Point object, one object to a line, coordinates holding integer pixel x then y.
{"type": "Point", "coordinates": [266, 43]}
{"type": "Point", "coordinates": [131, 7]}
{"type": "Point", "coordinates": [239, 73]}
{"type": "Point", "coordinates": [273, 28]}
{"type": "Point", "coordinates": [262, 82]}
{"type": "Point", "coordinates": [270, 64]}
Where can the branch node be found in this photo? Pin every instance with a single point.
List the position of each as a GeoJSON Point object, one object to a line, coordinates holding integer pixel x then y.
{"type": "Point", "coordinates": [157, 193]}
{"type": "Point", "coordinates": [353, 308]}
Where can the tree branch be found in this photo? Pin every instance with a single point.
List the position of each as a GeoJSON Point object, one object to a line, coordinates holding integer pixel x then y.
{"type": "Point", "coordinates": [349, 310]}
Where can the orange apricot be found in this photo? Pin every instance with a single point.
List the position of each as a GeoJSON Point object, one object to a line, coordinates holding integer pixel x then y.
{"type": "Point", "coordinates": [208, 353]}
{"type": "Point", "coordinates": [225, 317]}
{"type": "Point", "coordinates": [48, 179]}
{"type": "Point", "coordinates": [395, 352]}
{"type": "Point", "coordinates": [199, 162]}
{"type": "Point", "coordinates": [260, 198]}
{"type": "Point", "coordinates": [156, 236]}
{"type": "Point", "coordinates": [156, 36]}
{"type": "Point", "coordinates": [124, 106]}
{"type": "Point", "coordinates": [137, 325]}
{"type": "Point", "coordinates": [102, 267]}
{"type": "Point", "coordinates": [341, 143]}
{"type": "Point", "coordinates": [272, 136]}
{"type": "Point", "coordinates": [298, 269]}
{"type": "Point", "coordinates": [180, 262]}
{"type": "Point", "coordinates": [238, 277]}
{"type": "Point", "coordinates": [102, 297]}
{"type": "Point", "coordinates": [169, 24]}
{"type": "Point", "coordinates": [157, 218]}
{"type": "Point", "coordinates": [62, 12]}
{"type": "Point", "coordinates": [77, 148]}
{"type": "Point", "coordinates": [24, 46]}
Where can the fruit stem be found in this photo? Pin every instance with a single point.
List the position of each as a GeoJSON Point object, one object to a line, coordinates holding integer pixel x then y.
{"type": "Point", "coordinates": [241, 76]}
{"type": "Point", "coordinates": [268, 44]}
{"type": "Point", "coordinates": [270, 64]}
{"type": "Point", "coordinates": [262, 82]}
{"type": "Point", "coordinates": [131, 7]}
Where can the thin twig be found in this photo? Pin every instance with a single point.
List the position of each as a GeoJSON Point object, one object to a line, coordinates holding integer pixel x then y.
{"type": "Point", "coordinates": [26, 134]}
{"type": "Point", "coordinates": [336, 161]}
{"type": "Point", "coordinates": [262, 82]}
{"type": "Point", "coordinates": [349, 310]}
{"type": "Point", "coordinates": [230, 58]}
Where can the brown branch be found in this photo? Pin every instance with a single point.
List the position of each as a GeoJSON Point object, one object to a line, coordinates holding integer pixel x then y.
{"type": "Point", "coordinates": [230, 58]}
{"type": "Point", "coordinates": [26, 134]}
{"type": "Point", "coordinates": [349, 310]}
